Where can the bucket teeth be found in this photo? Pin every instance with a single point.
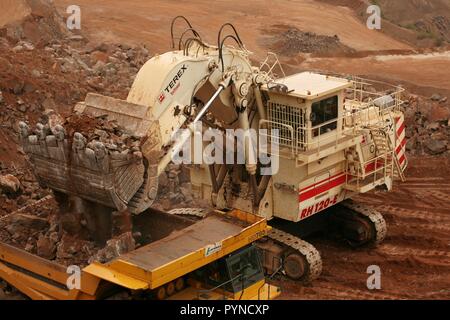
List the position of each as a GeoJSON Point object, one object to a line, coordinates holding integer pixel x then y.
{"type": "Point", "coordinates": [100, 150]}
{"type": "Point", "coordinates": [24, 130]}
{"type": "Point", "coordinates": [42, 131]}
{"type": "Point", "coordinates": [33, 139]}
{"type": "Point", "coordinates": [79, 142]}
{"type": "Point", "coordinates": [90, 155]}
{"type": "Point", "coordinates": [59, 132]}
{"type": "Point", "coordinates": [50, 141]}
{"type": "Point", "coordinates": [95, 156]}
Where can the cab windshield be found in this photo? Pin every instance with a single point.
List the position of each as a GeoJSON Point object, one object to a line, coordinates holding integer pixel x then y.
{"type": "Point", "coordinates": [323, 112]}
{"type": "Point", "coordinates": [245, 268]}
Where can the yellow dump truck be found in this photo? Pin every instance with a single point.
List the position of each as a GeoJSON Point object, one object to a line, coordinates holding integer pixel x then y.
{"type": "Point", "coordinates": [212, 258]}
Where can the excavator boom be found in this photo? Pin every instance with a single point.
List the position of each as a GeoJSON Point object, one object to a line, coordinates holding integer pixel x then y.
{"type": "Point", "coordinates": [122, 173]}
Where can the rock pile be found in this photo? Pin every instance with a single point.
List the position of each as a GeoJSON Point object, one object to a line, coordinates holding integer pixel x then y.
{"type": "Point", "coordinates": [44, 71]}
{"type": "Point", "coordinates": [45, 66]}
{"type": "Point", "coordinates": [290, 41]}
{"type": "Point", "coordinates": [36, 228]}
{"type": "Point", "coordinates": [96, 133]}
{"type": "Point", "coordinates": [36, 20]}
{"type": "Point", "coordinates": [18, 188]}
{"type": "Point", "coordinates": [428, 125]}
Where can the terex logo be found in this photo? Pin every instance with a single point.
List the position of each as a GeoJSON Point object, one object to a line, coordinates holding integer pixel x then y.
{"type": "Point", "coordinates": [176, 79]}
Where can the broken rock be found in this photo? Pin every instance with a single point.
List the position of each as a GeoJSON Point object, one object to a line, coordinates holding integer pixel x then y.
{"type": "Point", "coordinates": [29, 247]}
{"type": "Point", "coordinates": [9, 184]}
{"type": "Point", "coordinates": [18, 48]}
{"type": "Point", "coordinates": [186, 191]}
{"type": "Point", "coordinates": [435, 146]}
{"type": "Point", "coordinates": [46, 248]}
{"type": "Point", "coordinates": [436, 97]}
{"type": "Point", "coordinates": [433, 126]}
{"type": "Point", "coordinates": [411, 144]}
{"type": "Point", "coordinates": [28, 221]}
{"type": "Point", "coordinates": [71, 223]}
{"type": "Point", "coordinates": [22, 108]}
{"type": "Point", "coordinates": [115, 247]}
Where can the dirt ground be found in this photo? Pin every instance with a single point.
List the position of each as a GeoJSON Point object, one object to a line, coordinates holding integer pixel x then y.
{"type": "Point", "coordinates": [414, 259]}
{"type": "Point", "coordinates": [148, 22]}
{"type": "Point", "coordinates": [423, 74]}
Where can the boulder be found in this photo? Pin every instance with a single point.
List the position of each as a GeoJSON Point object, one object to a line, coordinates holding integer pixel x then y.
{"type": "Point", "coordinates": [436, 97]}
{"type": "Point", "coordinates": [9, 184]}
{"type": "Point", "coordinates": [71, 223]}
{"type": "Point", "coordinates": [115, 247]}
{"type": "Point", "coordinates": [435, 146]}
{"type": "Point", "coordinates": [433, 126]}
{"type": "Point", "coordinates": [46, 248]}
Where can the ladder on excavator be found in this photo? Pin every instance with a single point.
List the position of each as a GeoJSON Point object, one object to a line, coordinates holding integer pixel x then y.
{"type": "Point", "coordinates": [364, 175]}
{"type": "Point", "coordinates": [398, 168]}
{"type": "Point", "coordinates": [384, 144]}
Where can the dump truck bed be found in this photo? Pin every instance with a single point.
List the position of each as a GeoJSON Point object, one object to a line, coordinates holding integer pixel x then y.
{"type": "Point", "coordinates": [183, 251]}
{"type": "Point", "coordinates": [211, 230]}
{"type": "Point", "coordinates": [188, 247]}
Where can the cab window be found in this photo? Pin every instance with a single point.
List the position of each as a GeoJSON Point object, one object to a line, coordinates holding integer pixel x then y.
{"type": "Point", "coordinates": [245, 268]}
{"type": "Point", "coordinates": [324, 111]}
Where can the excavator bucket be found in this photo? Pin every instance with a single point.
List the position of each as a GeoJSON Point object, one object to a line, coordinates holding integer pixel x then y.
{"type": "Point", "coordinates": [107, 152]}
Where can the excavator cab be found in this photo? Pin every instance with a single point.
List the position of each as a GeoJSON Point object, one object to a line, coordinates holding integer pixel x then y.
{"type": "Point", "coordinates": [308, 114]}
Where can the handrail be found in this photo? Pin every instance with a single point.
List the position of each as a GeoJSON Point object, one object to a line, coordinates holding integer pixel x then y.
{"type": "Point", "coordinates": [359, 112]}
{"type": "Point", "coordinates": [361, 165]}
{"type": "Point", "coordinates": [290, 142]}
{"type": "Point", "coordinates": [362, 81]}
{"type": "Point", "coordinates": [344, 130]}
{"type": "Point", "coordinates": [270, 68]}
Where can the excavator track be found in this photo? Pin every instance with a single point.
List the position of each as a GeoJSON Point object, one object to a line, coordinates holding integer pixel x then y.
{"type": "Point", "coordinates": [375, 217]}
{"type": "Point", "coordinates": [307, 250]}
